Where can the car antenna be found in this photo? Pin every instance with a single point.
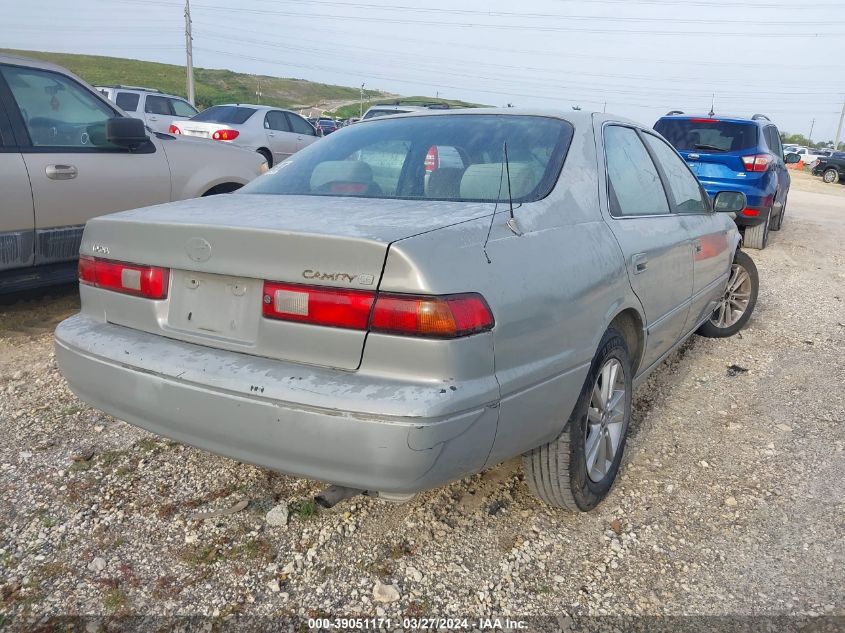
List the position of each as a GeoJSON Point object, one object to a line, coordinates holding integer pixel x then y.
{"type": "Point", "coordinates": [512, 221]}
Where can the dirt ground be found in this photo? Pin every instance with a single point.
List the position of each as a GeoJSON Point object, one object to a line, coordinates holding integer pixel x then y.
{"type": "Point", "coordinates": [730, 499]}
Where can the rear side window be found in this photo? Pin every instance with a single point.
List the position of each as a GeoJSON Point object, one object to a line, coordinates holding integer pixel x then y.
{"type": "Point", "coordinates": [225, 114]}
{"type": "Point", "coordinates": [682, 183]}
{"type": "Point", "coordinates": [392, 158]}
{"type": "Point", "coordinates": [127, 101]}
{"type": "Point", "coordinates": [708, 135]}
{"type": "Point", "coordinates": [157, 105]}
{"type": "Point", "coordinates": [300, 125]}
{"type": "Point", "coordinates": [773, 140]}
{"type": "Point", "coordinates": [275, 120]}
{"type": "Point", "coordinates": [634, 185]}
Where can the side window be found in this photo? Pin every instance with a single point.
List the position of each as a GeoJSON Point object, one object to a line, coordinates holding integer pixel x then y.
{"type": "Point", "coordinates": [56, 111]}
{"type": "Point", "coordinates": [127, 101]}
{"type": "Point", "coordinates": [182, 108]}
{"type": "Point", "coordinates": [773, 141]}
{"type": "Point", "coordinates": [300, 125]}
{"type": "Point", "coordinates": [157, 105]}
{"type": "Point", "coordinates": [275, 120]}
{"type": "Point", "coordinates": [682, 183]}
{"type": "Point", "coordinates": [634, 185]}
{"type": "Point", "coordinates": [384, 160]}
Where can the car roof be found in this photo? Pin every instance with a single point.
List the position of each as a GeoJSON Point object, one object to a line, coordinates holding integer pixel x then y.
{"type": "Point", "coordinates": [728, 118]}
{"type": "Point", "coordinates": [576, 117]}
{"type": "Point", "coordinates": [250, 105]}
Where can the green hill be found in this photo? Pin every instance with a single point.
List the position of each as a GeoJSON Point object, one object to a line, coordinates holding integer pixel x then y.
{"type": "Point", "coordinates": [218, 86]}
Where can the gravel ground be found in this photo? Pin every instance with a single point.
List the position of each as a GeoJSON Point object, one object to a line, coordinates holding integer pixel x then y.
{"type": "Point", "coordinates": [730, 500]}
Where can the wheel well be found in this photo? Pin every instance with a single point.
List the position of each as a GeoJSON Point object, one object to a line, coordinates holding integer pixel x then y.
{"type": "Point", "coordinates": [629, 323]}
{"type": "Point", "coordinates": [223, 187]}
{"type": "Point", "coordinates": [267, 154]}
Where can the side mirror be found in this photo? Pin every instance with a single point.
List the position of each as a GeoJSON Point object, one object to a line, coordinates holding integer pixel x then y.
{"type": "Point", "coordinates": [126, 132]}
{"type": "Point", "coordinates": [729, 202]}
{"type": "Point", "coordinates": [792, 158]}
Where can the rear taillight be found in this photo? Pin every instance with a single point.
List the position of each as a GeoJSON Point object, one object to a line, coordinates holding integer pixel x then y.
{"type": "Point", "coordinates": [441, 317]}
{"type": "Point", "coordinates": [449, 316]}
{"type": "Point", "coordinates": [758, 162]}
{"type": "Point", "coordinates": [431, 159]}
{"type": "Point", "coordinates": [704, 120]}
{"type": "Point", "coordinates": [318, 306]}
{"type": "Point", "coordinates": [751, 213]}
{"type": "Point", "coordinates": [143, 281]}
{"type": "Point", "coordinates": [173, 129]}
{"type": "Point", "coordinates": [225, 135]}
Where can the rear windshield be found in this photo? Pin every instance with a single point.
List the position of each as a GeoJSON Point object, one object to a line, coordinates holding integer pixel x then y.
{"type": "Point", "coordinates": [225, 114]}
{"type": "Point", "coordinates": [707, 135]}
{"type": "Point", "coordinates": [451, 157]}
{"type": "Point", "coordinates": [371, 114]}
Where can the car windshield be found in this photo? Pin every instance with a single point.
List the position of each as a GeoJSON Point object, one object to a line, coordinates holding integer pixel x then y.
{"type": "Point", "coordinates": [371, 114]}
{"type": "Point", "coordinates": [452, 157]}
{"type": "Point", "coordinates": [224, 114]}
{"type": "Point", "coordinates": [708, 134]}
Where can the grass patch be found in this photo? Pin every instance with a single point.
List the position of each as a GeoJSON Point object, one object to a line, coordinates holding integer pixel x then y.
{"type": "Point", "coordinates": [109, 458]}
{"type": "Point", "coordinates": [115, 600]}
{"type": "Point", "coordinates": [305, 510]}
{"type": "Point", "coordinates": [71, 410]}
{"type": "Point", "coordinates": [197, 554]}
{"type": "Point", "coordinates": [80, 467]}
{"type": "Point", "coordinates": [146, 444]}
{"type": "Point", "coordinates": [254, 549]}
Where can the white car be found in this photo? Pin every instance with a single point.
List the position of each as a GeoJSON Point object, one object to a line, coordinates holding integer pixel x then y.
{"type": "Point", "coordinates": [809, 156]}
{"type": "Point", "coordinates": [272, 132]}
{"type": "Point", "coordinates": [153, 107]}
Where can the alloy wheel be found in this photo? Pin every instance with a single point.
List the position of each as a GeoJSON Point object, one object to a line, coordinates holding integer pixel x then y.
{"type": "Point", "coordinates": [605, 419]}
{"type": "Point", "coordinates": [735, 300]}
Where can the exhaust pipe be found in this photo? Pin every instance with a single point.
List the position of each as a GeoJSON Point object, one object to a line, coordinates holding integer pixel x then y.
{"type": "Point", "coordinates": [333, 495]}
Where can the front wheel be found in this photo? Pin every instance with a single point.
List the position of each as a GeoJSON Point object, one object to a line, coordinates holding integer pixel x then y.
{"type": "Point", "coordinates": [576, 470]}
{"type": "Point", "coordinates": [737, 302]}
{"type": "Point", "coordinates": [830, 176]}
{"type": "Point", "coordinates": [757, 236]}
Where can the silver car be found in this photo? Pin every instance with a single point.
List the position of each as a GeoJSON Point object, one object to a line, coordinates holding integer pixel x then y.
{"type": "Point", "coordinates": [273, 133]}
{"type": "Point", "coordinates": [357, 318]}
{"type": "Point", "coordinates": [155, 108]}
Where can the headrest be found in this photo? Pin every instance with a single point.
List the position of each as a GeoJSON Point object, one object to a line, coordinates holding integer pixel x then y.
{"type": "Point", "coordinates": [340, 171]}
{"type": "Point", "coordinates": [482, 181]}
{"type": "Point", "coordinates": [444, 182]}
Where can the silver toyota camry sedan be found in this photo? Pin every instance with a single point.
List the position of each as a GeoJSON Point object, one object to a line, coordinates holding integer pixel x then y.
{"type": "Point", "coordinates": [369, 317]}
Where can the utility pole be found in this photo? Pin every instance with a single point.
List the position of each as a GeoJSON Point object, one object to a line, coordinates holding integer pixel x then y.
{"type": "Point", "coordinates": [258, 91]}
{"type": "Point", "coordinates": [189, 51]}
{"type": "Point", "coordinates": [361, 114]}
{"type": "Point", "coordinates": [812, 125]}
{"type": "Point", "coordinates": [839, 129]}
{"type": "Point", "coordinates": [604, 107]}
{"type": "Point", "coordinates": [713, 105]}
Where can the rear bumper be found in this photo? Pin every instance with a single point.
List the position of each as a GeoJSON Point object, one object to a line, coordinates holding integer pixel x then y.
{"type": "Point", "coordinates": [259, 410]}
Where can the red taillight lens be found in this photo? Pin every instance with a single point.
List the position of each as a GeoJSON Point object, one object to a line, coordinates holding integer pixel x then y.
{"type": "Point", "coordinates": [704, 120]}
{"type": "Point", "coordinates": [143, 281]}
{"type": "Point", "coordinates": [758, 162]}
{"type": "Point", "coordinates": [751, 213]}
{"type": "Point", "coordinates": [173, 129]}
{"type": "Point", "coordinates": [431, 159]}
{"type": "Point", "coordinates": [318, 306]}
{"type": "Point", "coordinates": [225, 135]}
{"type": "Point", "coordinates": [440, 317]}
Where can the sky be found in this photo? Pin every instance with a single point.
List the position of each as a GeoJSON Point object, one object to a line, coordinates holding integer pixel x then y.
{"type": "Point", "coordinates": [636, 58]}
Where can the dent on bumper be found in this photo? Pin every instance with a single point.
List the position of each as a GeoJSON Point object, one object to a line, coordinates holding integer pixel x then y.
{"type": "Point", "coordinates": [198, 402]}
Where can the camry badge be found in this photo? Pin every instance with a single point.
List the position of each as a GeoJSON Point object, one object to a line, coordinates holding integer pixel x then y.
{"type": "Point", "coordinates": [198, 249]}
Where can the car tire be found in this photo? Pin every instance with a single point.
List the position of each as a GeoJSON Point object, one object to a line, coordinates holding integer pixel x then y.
{"type": "Point", "coordinates": [267, 156]}
{"type": "Point", "coordinates": [830, 176]}
{"type": "Point", "coordinates": [558, 472]}
{"type": "Point", "coordinates": [757, 236]}
{"type": "Point", "coordinates": [741, 291]}
{"type": "Point", "coordinates": [776, 223]}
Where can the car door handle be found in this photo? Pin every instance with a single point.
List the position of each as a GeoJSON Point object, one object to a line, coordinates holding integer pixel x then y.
{"type": "Point", "coordinates": [153, 118]}
{"type": "Point", "coordinates": [270, 134]}
{"type": "Point", "coordinates": [61, 172]}
{"type": "Point", "coordinates": [639, 262]}
{"type": "Point", "coordinates": [697, 245]}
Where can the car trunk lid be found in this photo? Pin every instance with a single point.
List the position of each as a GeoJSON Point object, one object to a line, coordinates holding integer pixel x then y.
{"type": "Point", "coordinates": [221, 250]}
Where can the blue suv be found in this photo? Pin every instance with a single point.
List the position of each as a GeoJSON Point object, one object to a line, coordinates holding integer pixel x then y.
{"type": "Point", "coordinates": [738, 154]}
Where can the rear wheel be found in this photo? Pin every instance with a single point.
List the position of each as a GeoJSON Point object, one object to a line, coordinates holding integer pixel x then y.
{"type": "Point", "coordinates": [777, 222]}
{"type": "Point", "coordinates": [737, 302]}
{"type": "Point", "coordinates": [830, 176]}
{"type": "Point", "coordinates": [757, 236]}
{"type": "Point", "coordinates": [267, 156]}
{"type": "Point", "coordinates": [576, 470]}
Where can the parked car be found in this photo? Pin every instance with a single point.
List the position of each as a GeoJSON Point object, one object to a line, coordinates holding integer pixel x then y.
{"type": "Point", "coordinates": [808, 155]}
{"type": "Point", "coordinates": [273, 133]}
{"type": "Point", "coordinates": [396, 108]}
{"type": "Point", "coordinates": [831, 168]}
{"type": "Point", "coordinates": [153, 107]}
{"type": "Point", "coordinates": [736, 154]}
{"type": "Point", "coordinates": [344, 319]}
{"type": "Point", "coordinates": [68, 154]}
{"type": "Point", "coordinates": [327, 126]}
